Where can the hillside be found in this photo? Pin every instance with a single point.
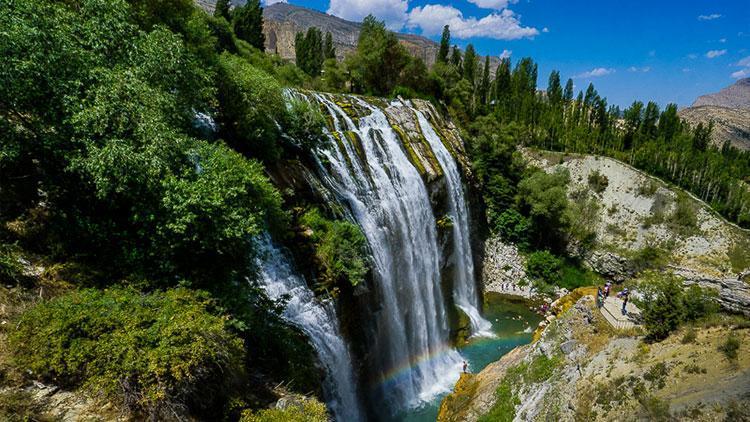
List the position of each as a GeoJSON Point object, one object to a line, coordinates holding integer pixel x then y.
{"type": "Point", "coordinates": [729, 109]}
{"type": "Point", "coordinates": [736, 95]}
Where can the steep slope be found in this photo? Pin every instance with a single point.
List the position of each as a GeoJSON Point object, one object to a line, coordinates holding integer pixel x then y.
{"type": "Point", "coordinates": [729, 109]}
{"type": "Point", "coordinates": [641, 222]}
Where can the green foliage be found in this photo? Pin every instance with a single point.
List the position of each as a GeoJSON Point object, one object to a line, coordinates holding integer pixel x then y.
{"type": "Point", "coordinates": [665, 305]}
{"type": "Point", "coordinates": [583, 214]}
{"type": "Point", "coordinates": [248, 23]}
{"type": "Point", "coordinates": [684, 216]}
{"type": "Point", "coordinates": [340, 249]}
{"type": "Point", "coordinates": [544, 266]}
{"type": "Point", "coordinates": [597, 181]}
{"type": "Point", "coordinates": [543, 197]}
{"type": "Point", "coordinates": [11, 269]}
{"type": "Point", "coordinates": [251, 103]}
{"type": "Point", "coordinates": [151, 352]}
{"type": "Point", "coordinates": [379, 58]}
{"type": "Point", "coordinates": [504, 409]}
{"type": "Point", "coordinates": [222, 9]}
{"type": "Point", "coordinates": [310, 51]}
{"type": "Point", "coordinates": [690, 336]}
{"type": "Point", "coordinates": [513, 227]}
{"type": "Point", "coordinates": [730, 347]}
{"type": "Point", "coordinates": [305, 124]}
{"type": "Point", "coordinates": [309, 410]}
{"type": "Point", "coordinates": [573, 276]}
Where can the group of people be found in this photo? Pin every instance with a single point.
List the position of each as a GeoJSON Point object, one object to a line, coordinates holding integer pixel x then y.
{"type": "Point", "coordinates": [603, 294]}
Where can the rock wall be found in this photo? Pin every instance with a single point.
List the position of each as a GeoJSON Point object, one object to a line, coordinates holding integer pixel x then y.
{"type": "Point", "coordinates": [504, 269]}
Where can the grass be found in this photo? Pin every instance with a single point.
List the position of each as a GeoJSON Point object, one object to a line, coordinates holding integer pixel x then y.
{"type": "Point", "coordinates": [739, 255]}
{"type": "Point", "coordinates": [730, 347]}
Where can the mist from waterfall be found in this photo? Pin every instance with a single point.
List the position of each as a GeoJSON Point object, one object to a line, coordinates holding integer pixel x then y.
{"type": "Point", "coordinates": [318, 320]}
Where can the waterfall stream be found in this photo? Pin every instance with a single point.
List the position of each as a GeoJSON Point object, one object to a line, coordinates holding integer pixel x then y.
{"type": "Point", "coordinates": [389, 200]}
{"type": "Point", "coordinates": [465, 290]}
{"type": "Point", "coordinates": [318, 320]}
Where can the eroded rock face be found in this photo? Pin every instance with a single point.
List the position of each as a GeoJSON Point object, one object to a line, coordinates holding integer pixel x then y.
{"type": "Point", "coordinates": [734, 293]}
{"type": "Point", "coordinates": [504, 269]}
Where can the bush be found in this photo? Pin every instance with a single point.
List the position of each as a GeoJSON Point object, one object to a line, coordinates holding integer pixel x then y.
{"type": "Point", "coordinates": [340, 249]}
{"type": "Point", "coordinates": [665, 305]}
{"type": "Point", "coordinates": [11, 269]}
{"type": "Point", "coordinates": [154, 353]}
{"type": "Point", "coordinates": [730, 347]}
{"type": "Point", "coordinates": [544, 198]}
{"type": "Point", "coordinates": [598, 182]}
{"type": "Point", "coordinates": [251, 102]}
{"type": "Point", "coordinates": [309, 410]}
{"type": "Point", "coordinates": [690, 336]}
{"type": "Point", "coordinates": [513, 227]}
{"type": "Point", "coordinates": [544, 266]}
{"type": "Point", "coordinates": [305, 124]}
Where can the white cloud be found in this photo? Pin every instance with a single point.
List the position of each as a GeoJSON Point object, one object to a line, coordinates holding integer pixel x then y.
{"type": "Point", "coordinates": [723, 40]}
{"type": "Point", "coordinates": [593, 73]}
{"type": "Point", "coordinates": [505, 54]}
{"type": "Point", "coordinates": [270, 2]}
{"type": "Point", "coordinates": [715, 53]}
{"type": "Point", "coordinates": [493, 4]}
{"type": "Point", "coordinates": [692, 56]}
{"type": "Point", "coordinates": [744, 62]}
{"type": "Point", "coordinates": [393, 12]}
{"type": "Point", "coordinates": [643, 69]}
{"type": "Point", "coordinates": [742, 73]}
{"type": "Point", "coordinates": [504, 25]}
{"type": "Point", "coordinates": [545, 29]}
{"type": "Point", "coordinates": [709, 17]}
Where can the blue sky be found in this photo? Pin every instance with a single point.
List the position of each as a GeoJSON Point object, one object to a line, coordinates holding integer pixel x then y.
{"type": "Point", "coordinates": [668, 51]}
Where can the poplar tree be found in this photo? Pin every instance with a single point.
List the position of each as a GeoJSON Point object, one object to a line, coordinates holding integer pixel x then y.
{"type": "Point", "coordinates": [222, 10]}
{"type": "Point", "coordinates": [470, 64]}
{"type": "Point", "coordinates": [568, 93]}
{"type": "Point", "coordinates": [248, 24]}
{"type": "Point", "coordinates": [554, 89]}
{"type": "Point", "coordinates": [456, 59]}
{"type": "Point", "coordinates": [445, 45]}
{"type": "Point", "coordinates": [329, 51]}
{"type": "Point", "coordinates": [484, 87]}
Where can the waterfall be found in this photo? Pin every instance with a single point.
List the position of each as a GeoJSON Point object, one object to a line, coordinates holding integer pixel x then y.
{"type": "Point", "coordinates": [389, 200]}
{"type": "Point", "coordinates": [319, 321]}
{"type": "Point", "coordinates": [464, 288]}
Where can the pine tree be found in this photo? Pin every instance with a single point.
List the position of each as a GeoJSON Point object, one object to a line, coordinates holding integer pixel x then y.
{"type": "Point", "coordinates": [470, 64]}
{"type": "Point", "coordinates": [329, 51]}
{"type": "Point", "coordinates": [445, 45]}
{"type": "Point", "coordinates": [222, 10]}
{"type": "Point", "coordinates": [248, 24]}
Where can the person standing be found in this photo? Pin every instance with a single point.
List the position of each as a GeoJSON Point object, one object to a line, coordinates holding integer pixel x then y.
{"type": "Point", "coordinates": [599, 297]}
{"type": "Point", "coordinates": [466, 367]}
{"type": "Point", "coordinates": [607, 287]}
{"type": "Point", "coordinates": [624, 296]}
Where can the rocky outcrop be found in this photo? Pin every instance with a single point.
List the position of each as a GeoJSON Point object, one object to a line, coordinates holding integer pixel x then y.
{"type": "Point", "coordinates": [736, 95]}
{"type": "Point", "coordinates": [504, 269]}
{"type": "Point", "coordinates": [730, 124]}
{"type": "Point", "coordinates": [635, 227]}
{"type": "Point", "coordinates": [581, 370]}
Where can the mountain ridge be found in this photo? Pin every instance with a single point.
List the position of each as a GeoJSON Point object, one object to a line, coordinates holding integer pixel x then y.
{"type": "Point", "coordinates": [729, 110]}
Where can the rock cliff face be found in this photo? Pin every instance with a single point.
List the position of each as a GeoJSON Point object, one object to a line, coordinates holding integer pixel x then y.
{"type": "Point", "coordinates": [581, 369]}
{"type": "Point", "coordinates": [639, 215]}
{"type": "Point", "coordinates": [729, 110]}
{"type": "Point", "coordinates": [283, 21]}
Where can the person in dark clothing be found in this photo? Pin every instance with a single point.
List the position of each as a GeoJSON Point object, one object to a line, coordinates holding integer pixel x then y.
{"type": "Point", "coordinates": [624, 296]}
{"type": "Point", "coordinates": [466, 366]}
{"type": "Point", "coordinates": [599, 297]}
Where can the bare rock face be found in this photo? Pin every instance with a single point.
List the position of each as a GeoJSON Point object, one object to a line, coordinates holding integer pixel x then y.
{"type": "Point", "coordinates": [730, 124]}
{"type": "Point", "coordinates": [734, 293]}
{"type": "Point", "coordinates": [733, 96]}
{"type": "Point", "coordinates": [504, 269]}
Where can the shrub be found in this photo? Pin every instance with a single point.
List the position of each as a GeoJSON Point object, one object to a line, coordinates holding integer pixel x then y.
{"type": "Point", "coordinates": [598, 182]}
{"type": "Point", "coordinates": [19, 406]}
{"type": "Point", "coordinates": [513, 227]}
{"type": "Point", "coordinates": [11, 269]}
{"type": "Point", "coordinates": [305, 124]}
{"type": "Point", "coordinates": [544, 266]}
{"type": "Point", "coordinates": [340, 249]}
{"type": "Point", "coordinates": [250, 102]}
{"type": "Point", "coordinates": [730, 347]}
{"type": "Point", "coordinates": [690, 336]}
{"type": "Point", "coordinates": [648, 188]}
{"type": "Point", "coordinates": [308, 410]}
{"type": "Point", "coordinates": [154, 353]}
{"type": "Point", "coordinates": [665, 305]}
{"type": "Point", "coordinates": [684, 218]}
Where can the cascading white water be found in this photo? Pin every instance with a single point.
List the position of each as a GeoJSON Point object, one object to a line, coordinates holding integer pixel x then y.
{"type": "Point", "coordinates": [390, 202]}
{"type": "Point", "coordinates": [316, 319]}
{"type": "Point", "coordinates": [465, 292]}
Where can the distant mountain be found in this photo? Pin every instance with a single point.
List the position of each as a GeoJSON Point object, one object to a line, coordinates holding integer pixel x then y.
{"type": "Point", "coordinates": [282, 21]}
{"type": "Point", "coordinates": [733, 96]}
{"type": "Point", "coordinates": [729, 109]}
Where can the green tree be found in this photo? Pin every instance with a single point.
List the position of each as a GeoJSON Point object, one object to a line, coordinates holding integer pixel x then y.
{"type": "Point", "coordinates": [445, 45]}
{"type": "Point", "coordinates": [662, 307]}
{"type": "Point", "coordinates": [484, 86]}
{"type": "Point", "coordinates": [568, 94]}
{"type": "Point", "coordinates": [544, 266]}
{"type": "Point", "coordinates": [329, 51]}
{"type": "Point", "coordinates": [543, 197]}
{"type": "Point", "coordinates": [248, 24]}
{"type": "Point", "coordinates": [222, 10]}
{"type": "Point", "coordinates": [457, 60]}
{"type": "Point", "coordinates": [470, 65]}
{"type": "Point", "coordinates": [554, 89]}
{"type": "Point", "coordinates": [379, 59]}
